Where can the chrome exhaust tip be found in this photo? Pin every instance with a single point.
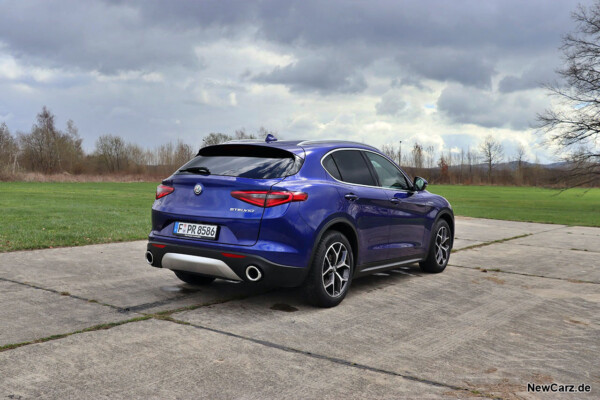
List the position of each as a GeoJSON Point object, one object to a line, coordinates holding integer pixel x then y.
{"type": "Point", "coordinates": [253, 273]}
{"type": "Point", "coordinates": [149, 258]}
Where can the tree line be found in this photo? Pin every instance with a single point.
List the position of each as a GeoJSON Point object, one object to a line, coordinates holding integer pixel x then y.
{"type": "Point", "coordinates": [46, 149]}
{"type": "Point", "coordinates": [487, 163]}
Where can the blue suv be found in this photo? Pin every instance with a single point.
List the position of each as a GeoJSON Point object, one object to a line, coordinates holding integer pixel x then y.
{"type": "Point", "coordinates": [291, 213]}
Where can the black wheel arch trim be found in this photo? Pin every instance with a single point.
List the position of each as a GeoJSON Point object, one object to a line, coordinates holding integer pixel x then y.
{"type": "Point", "coordinates": [440, 214]}
{"type": "Point", "coordinates": [326, 227]}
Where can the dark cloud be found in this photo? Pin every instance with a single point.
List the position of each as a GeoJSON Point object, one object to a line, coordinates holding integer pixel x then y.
{"type": "Point", "coordinates": [450, 65]}
{"type": "Point", "coordinates": [534, 77]}
{"type": "Point", "coordinates": [322, 74]}
{"type": "Point", "coordinates": [467, 105]}
{"type": "Point", "coordinates": [439, 40]}
{"type": "Point", "coordinates": [91, 36]}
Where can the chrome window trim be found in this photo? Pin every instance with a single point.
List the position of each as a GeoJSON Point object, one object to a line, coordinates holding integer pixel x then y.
{"type": "Point", "coordinates": [358, 184]}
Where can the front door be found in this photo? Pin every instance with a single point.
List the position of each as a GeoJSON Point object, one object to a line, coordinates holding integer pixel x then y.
{"type": "Point", "coordinates": [406, 209]}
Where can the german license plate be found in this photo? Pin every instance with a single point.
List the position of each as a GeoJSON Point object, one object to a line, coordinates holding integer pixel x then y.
{"type": "Point", "coordinates": [195, 230]}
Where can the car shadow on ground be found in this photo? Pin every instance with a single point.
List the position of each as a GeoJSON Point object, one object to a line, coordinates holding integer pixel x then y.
{"type": "Point", "coordinates": [288, 299]}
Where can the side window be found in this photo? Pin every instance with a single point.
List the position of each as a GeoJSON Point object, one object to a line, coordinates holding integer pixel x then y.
{"type": "Point", "coordinates": [353, 167]}
{"type": "Point", "coordinates": [389, 176]}
{"type": "Point", "coordinates": [330, 166]}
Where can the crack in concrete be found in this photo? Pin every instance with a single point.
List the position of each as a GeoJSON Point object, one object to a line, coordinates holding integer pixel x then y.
{"type": "Point", "coordinates": [335, 360]}
{"type": "Point", "coordinates": [476, 246]}
{"type": "Point", "coordinates": [145, 306]}
{"type": "Point", "coordinates": [524, 274]}
{"type": "Point", "coordinates": [67, 294]}
{"type": "Point", "coordinates": [93, 328]}
{"type": "Point", "coordinates": [138, 308]}
{"type": "Point", "coordinates": [557, 248]}
{"type": "Point", "coordinates": [265, 343]}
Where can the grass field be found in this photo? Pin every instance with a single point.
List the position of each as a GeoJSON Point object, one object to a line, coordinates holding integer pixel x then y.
{"type": "Point", "coordinates": [42, 215]}
{"type": "Point", "coordinates": [569, 207]}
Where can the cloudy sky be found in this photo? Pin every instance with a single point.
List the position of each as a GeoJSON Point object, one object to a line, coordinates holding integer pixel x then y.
{"type": "Point", "coordinates": [445, 73]}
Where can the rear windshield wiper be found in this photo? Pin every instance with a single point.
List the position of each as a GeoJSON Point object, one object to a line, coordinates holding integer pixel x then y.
{"type": "Point", "coordinates": [196, 170]}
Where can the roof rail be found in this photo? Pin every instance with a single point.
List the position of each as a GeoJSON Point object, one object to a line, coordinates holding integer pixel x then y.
{"type": "Point", "coordinates": [307, 142]}
{"type": "Point", "coordinates": [243, 141]}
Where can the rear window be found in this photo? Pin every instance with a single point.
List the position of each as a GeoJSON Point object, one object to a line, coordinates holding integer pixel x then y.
{"type": "Point", "coordinates": [353, 167]}
{"type": "Point", "coordinates": [246, 161]}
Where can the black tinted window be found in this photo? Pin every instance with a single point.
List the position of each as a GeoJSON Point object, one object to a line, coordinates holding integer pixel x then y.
{"type": "Point", "coordinates": [255, 162]}
{"type": "Point", "coordinates": [353, 167]}
{"type": "Point", "coordinates": [330, 166]}
{"type": "Point", "coordinates": [388, 174]}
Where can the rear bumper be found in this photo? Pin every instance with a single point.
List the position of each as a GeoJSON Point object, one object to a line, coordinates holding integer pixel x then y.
{"type": "Point", "coordinates": [215, 263]}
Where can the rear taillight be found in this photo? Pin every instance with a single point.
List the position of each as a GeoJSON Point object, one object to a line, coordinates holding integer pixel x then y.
{"type": "Point", "coordinates": [263, 198]}
{"type": "Point", "coordinates": [163, 190]}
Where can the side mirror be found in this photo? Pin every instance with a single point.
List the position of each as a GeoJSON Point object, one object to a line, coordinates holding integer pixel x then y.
{"type": "Point", "coordinates": [419, 183]}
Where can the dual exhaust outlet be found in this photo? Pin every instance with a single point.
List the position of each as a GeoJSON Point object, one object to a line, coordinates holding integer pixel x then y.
{"type": "Point", "coordinates": [253, 273]}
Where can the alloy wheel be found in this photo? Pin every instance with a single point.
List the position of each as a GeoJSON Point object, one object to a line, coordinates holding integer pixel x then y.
{"type": "Point", "coordinates": [336, 269]}
{"type": "Point", "coordinates": [442, 246]}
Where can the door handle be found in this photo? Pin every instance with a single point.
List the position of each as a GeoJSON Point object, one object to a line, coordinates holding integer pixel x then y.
{"type": "Point", "coordinates": [351, 196]}
{"type": "Point", "coordinates": [394, 200]}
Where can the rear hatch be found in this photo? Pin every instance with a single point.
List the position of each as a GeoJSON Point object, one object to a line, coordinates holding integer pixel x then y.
{"type": "Point", "coordinates": [203, 191]}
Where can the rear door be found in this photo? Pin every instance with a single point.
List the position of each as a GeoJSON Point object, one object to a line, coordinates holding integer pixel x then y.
{"type": "Point", "coordinates": [367, 203]}
{"type": "Point", "coordinates": [203, 190]}
{"type": "Point", "coordinates": [407, 209]}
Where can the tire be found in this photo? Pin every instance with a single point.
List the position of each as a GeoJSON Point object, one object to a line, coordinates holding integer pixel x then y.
{"type": "Point", "coordinates": [194, 279]}
{"type": "Point", "coordinates": [331, 270]}
{"type": "Point", "coordinates": [440, 246]}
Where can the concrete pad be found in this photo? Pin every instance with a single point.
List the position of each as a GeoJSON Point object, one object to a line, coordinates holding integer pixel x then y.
{"type": "Point", "coordinates": [542, 261]}
{"type": "Point", "coordinates": [28, 314]}
{"type": "Point", "coordinates": [491, 332]}
{"type": "Point", "coordinates": [115, 274]}
{"type": "Point", "coordinates": [488, 230]}
{"type": "Point", "coordinates": [583, 230]}
{"type": "Point", "coordinates": [462, 243]}
{"type": "Point", "coordinates": [569, 238]}
{"type": "Point", "coordinates": [159, 359]}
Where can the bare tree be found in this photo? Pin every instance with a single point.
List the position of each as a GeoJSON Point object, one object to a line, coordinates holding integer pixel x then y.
{"type": "Point", "coordinates": [112, 152]}
{"type": "Point", "coordinates": [164, 154]}
{"type": "Point", "coordinates": [69, 148]}
{"type": "Point", "coordinates": [520, 159]}
{"type": "Point", "coordinates": [430, 156]}
{"type": "Point", "coordinates": [520, 156]}
{"type": "Point", "coordinates": [388, 150]}
{"type": "Point", "coordinates": [462, 163]}
{"type": "Point", "coordinates": [492, 153]}
{"type": "Point", "coordinates": [240, 134]}
{"type": "Point", "coordinates": [46, 149]}
{"type": "Point", "coordinates": [417, 156]}
{"type": "Point", "coordinates": [574, 124]}
{"type": "Point", "coordinates": [8, 148]}
{"type": "Point", "coordinates": [215, 138]}
{"type": "Point", "coordinates": [183, 153]}
{"type": "Point", "coordinates": [443, 164]}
